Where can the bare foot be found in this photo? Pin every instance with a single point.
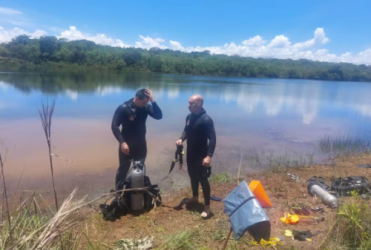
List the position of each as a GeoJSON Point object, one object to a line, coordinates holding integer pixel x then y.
{"type": "Point", "coordinates": [193, 200]}
{"type": "Point", "coordinates": [206, 211]}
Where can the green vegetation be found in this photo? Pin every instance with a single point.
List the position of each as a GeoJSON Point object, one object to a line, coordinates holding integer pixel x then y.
{"type": "Point", "coordinates": [181, 240]}
{"type": "Point", "coordinates": [352, 228]}
{"type": "Point", "coordinates": [219, 178]}
{"type": "Point", "coordinates": [344, 146]}
{"type": "Point", "coordinates": [52, 54]}
{"type": "Point", "coordinates": [34, 225]}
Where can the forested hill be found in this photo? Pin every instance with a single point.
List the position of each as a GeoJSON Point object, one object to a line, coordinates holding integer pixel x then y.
{"type": "Point", "coordinates": [50, 53]}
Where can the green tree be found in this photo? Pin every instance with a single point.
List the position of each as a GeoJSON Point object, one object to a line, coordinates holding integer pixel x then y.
{"type": "Point", "coordinates": [24, 53]}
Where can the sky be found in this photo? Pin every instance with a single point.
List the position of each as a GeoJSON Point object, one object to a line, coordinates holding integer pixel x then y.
{"type": "Point", "coordinates": [333, 31]}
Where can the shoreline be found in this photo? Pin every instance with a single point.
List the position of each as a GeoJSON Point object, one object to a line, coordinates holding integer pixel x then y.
{"type": "Point", "coordinates": [164, 222]}
{"type": "Point", "coordinates": [55, 67]}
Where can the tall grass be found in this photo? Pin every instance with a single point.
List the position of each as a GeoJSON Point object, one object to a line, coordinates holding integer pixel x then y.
{"type": "Point", "coordinates": [2, 162]}
{"type": "Point", "coordinates": [182, 240]}
{"type": "Point", "coordinates": [33, 229]}
{"type": "Point", "coordinates": [343, 145]}
{"type": "Point", "coordinates": [46, 114]}
{"type": "Point", "coordinates": [35, 226]}
{"type": "Point", "coordinates": [263, 160]}
{"type": "Point", "coordinates": [352, 228]}
{"type": "Point", "coordinates": [327, 148]}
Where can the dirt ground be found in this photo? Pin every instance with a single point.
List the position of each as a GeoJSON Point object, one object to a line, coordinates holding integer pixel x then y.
{"type": "Point", "coordinates": [211, 233]}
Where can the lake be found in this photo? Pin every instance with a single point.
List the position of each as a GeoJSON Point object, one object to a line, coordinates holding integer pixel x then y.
{"type": "Point", "coordinates": [261, 120]}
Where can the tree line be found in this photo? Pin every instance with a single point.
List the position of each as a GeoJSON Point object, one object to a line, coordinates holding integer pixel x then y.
{"type": "Point", "coordinates": [51, 53]}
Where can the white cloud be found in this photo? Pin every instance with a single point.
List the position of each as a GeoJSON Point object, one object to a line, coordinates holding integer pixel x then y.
{"type": "Point", "coordinates": [255, 41]}
{"type": "Point", "coordinates": [176, 45]}
{"type": "Point", "coordinates": [38, 33]}
{"type": "Point", "coordinates": [74, 34]}
{"type": "Point", "coordinates": [363, 57]}
{"type": "Point", "coordinates": [145, 42]}
{"type": "Point", "coordinates": [149, 42]}
{"type": "Point", "coordinates": [9, 12]}
{"type": "Point", "coordinates": [319, 38]}
{"type": "Point", "coordinates": [8, 35]}
{"type": "Point", "coordinates": [13, 17]}
{"type": "Point", "coordinates": [279, 47]}
{"type": "Point", "coordinates": [279, 42]}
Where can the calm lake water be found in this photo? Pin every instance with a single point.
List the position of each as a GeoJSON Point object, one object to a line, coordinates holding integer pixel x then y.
{"type": "Point", "coordinates": [258, 118]}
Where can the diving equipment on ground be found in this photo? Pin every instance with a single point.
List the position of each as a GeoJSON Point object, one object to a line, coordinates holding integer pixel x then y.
{"type": "Point", "coordinates": [144, 197]}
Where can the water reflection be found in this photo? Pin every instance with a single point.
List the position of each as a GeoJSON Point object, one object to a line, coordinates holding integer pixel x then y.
{"type": "Point", "coordinates": [3, 86]}
{"type": "Point", "coordinates": [308, 99]}
{"type": "Point", "coordinates": [276, 99]}
{"type": "Point", "coordinates": [107, 90]}
{"type": "Point", "coordinates": [72, 94]}
{"type": "Point", "coordinates": [271, 114]}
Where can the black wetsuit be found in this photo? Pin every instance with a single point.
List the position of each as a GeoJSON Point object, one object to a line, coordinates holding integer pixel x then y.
{"type": "Point", "coordinates": [133, 132]}
{"type": "Point", "coordinates": [199, 132]}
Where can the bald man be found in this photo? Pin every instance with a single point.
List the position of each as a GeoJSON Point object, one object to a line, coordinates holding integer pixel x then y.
{"type": "Point", "coordinates": [201, 140]}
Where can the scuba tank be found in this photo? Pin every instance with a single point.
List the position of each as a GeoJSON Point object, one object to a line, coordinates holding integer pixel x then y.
{"type": "Point", "coordinates": [137, 181]}
{"type": "Point", "coordinates": [327, 198]}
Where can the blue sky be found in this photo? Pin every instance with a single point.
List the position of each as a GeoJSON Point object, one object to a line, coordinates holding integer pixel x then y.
{"type": "Point", "coordinates": [343, 27]}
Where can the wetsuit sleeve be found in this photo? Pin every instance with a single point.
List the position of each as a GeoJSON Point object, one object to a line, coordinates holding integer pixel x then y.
{"type": "Point", "coordinates": [116, 122]}
{"type": "Point", "coordinates": [183, 137]}
{"type": "Point", "coordinates": [210, 130]}
{"type": "Point", "coordinates": [154, 111]}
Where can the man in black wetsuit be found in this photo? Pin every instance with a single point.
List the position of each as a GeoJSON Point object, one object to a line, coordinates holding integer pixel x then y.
{"type": "Point", "coordinates": [132, 115]}
{"type": "Point", "coordinates": [201, 140]}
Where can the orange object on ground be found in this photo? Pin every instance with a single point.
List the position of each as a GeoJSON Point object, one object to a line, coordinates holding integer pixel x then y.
{"type": "Point", "coordinates": [290, 219]}
{"type": "Point", "coordinates": [259, 192]}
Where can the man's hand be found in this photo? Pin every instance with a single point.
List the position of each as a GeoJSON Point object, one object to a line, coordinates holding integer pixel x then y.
{"type": "Point", "coordinates": [179, 142]}
{"type": "Point", "coordinates": [150, 96]}
{"type": "Point", "coordinates": [125, 148]}
{"type": "Point", "coordinates": [206, 162]}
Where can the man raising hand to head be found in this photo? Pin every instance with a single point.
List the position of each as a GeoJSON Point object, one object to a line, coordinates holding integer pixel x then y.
{"type": "Point", "coordinates": [132, 116]}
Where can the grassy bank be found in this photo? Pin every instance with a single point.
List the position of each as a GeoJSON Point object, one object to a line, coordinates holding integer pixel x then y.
{"type": "Point", "coordinates": [78, 225]}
